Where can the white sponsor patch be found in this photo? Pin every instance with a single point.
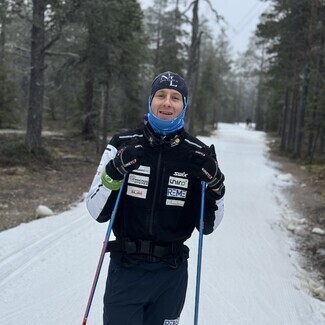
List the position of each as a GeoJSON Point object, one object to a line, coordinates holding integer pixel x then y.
{"type": "Point", "coordinates": [183, 174]}
{"type": "Point", "coordinates": [176, 192]}
{"type": "Point", "coordinates": [171, 321]}
{"type": "Point", "coordinates": [137, 192]}
{"type": "Point", "coordinates": [143, 170]}
{"type": "Point", "coordinates": [179, 182]}
{"type": "Point", "coordinates": [138, 180]}
{"type": "Point", "coordinates": [177, 203]}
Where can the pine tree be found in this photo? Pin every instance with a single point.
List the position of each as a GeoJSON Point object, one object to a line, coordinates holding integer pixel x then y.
{"type": "Point", "coordinates": [293, 34]}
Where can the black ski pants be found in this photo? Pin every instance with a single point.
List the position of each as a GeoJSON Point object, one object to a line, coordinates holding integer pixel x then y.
{"type": "Point", "coordinates": [145, 294]}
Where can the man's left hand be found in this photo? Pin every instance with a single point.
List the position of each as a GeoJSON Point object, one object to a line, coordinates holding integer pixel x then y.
{"type": "Point", "coordinates": [206, 168]}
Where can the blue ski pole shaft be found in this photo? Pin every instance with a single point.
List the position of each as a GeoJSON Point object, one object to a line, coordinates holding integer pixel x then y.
{"type": "Point", "coordinates": [101, 257]}
{"type": "Point", "coordinates": [199, 257]}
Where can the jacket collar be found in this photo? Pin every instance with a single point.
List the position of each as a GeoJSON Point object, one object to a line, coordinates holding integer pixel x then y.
{"type": "Point", "coordinates": [157, 140]}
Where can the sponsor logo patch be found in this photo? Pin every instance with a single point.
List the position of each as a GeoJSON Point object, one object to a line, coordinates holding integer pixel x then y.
{"type": "Point", "coordinates": [138, 180]}
{"type": "Point", "coordinates": [177, 203]}
{"type": "Point", "coordinates": [176, 192]}
{"type": "Point", "coordinates": [137, 192]}
{"type": "Point", "coordinates": [179, 182]}
{"type": "Point", "coordinates": [171, 321]}
{"type": "Point", "coordinates": [143, 170]}
{"type": "Point", "coordinates": [183, 174]}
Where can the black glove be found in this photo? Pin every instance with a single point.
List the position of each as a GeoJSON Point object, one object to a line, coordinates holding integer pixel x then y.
{"type": "Point", "coordinates": [127, 159]}
{"type": "Point", "coordinates": [206, 168]}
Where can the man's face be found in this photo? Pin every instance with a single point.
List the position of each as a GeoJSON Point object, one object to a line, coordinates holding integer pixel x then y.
{"type": "Point", "coordinates": [167, 104]}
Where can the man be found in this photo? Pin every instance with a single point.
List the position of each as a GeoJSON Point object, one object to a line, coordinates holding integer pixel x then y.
{"type": "Point", "coordinates": [162, 167]}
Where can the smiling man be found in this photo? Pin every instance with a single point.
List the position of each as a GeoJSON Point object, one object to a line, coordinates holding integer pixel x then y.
{"type": "Point", "coordinates": [167, 103]}
{"type": "Point", "coordinates": [162, 167]}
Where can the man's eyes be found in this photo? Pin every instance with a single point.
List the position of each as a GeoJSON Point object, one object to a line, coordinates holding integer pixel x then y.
{"type": "Point", "coordinates": [172, 97]}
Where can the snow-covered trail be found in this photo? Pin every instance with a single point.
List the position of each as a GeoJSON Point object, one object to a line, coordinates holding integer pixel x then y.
{"type": "Point", "coordinates": [249, 275]}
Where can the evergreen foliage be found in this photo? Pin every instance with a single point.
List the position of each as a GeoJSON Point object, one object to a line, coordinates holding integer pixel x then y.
{"type": "Point", "coordinates": [294, 31]}
{"type": "Point", "coordinates": [95, 60]}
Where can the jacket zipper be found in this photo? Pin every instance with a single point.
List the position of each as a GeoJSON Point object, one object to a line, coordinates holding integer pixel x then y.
{"type": "Point", "coordinates": [155, 194]}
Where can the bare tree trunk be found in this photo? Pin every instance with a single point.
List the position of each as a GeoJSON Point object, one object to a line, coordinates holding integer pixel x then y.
{"type": "Point", "coordinates": [285, 118]}
{"type": "Point", "coordinates": [105, 116]}
{"type": "Point", "coordinates": [36, 86]}
{"type": "Point", "coordinates": [305, 82]}
{"type": "Point", "coordinates": [259, 118]}
{"type": "Point", "coordinates": [290, 110]}
{"type": "Point", "coordinates": [88, 121]}
{"type": "Point", "coordinates": [292, 116]}
{"type": "Point", "coordinates": [157, 59]}
{"type": "Point", "coordinates": [317, 118]}
{"type": "Point", "coordinates": [3, 22]}
{"type": "Point", "coordinates": [299, 131]}
{"type": "Point", "coordinates": [260, 125]}
{"type": "Point", "coordinates": [193, 64]}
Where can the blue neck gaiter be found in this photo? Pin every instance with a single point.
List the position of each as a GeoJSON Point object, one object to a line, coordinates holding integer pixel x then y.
{"type": "Point", "coordinates": [166, 127]}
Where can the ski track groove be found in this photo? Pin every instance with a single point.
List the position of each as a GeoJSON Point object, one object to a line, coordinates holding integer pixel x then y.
{"type": "Point", "coordinates": [20, 260]}
{"type": "Point", "coordinates": [8, 316]}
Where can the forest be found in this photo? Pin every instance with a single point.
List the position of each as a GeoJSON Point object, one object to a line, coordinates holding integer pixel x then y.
{"type": "Point", "coordinates": [85, 67]}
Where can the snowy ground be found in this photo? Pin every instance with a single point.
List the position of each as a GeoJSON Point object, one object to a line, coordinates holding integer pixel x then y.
{"type": "Point", "coordinates": [250, 274]}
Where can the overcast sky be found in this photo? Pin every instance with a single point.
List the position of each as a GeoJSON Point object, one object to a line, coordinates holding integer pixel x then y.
{"type": "Point", "coordinates": [241, 17]}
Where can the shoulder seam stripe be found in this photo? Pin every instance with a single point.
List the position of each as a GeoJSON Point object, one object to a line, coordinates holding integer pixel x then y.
{"type": "Point", "coordinates": [193, 143]}
{"type": "Point", "coordinates": [130, 136]}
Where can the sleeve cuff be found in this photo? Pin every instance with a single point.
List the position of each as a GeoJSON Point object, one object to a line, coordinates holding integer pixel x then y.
{"type": "Point", "coordinates": [110, 183]}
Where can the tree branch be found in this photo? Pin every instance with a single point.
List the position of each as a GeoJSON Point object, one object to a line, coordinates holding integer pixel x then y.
{"type": "Point", "coordinates": [218, 17]}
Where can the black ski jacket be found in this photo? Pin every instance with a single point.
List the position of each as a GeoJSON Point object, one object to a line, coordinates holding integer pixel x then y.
{"type": "Point", "coordinates": [161, 200]}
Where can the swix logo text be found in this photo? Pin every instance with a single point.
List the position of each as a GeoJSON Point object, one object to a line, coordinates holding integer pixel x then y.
{"type": "Point", "coordinates": [183, 174]}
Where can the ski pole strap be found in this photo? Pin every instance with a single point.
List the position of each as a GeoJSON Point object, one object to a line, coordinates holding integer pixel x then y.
{"type": "Point", "coordinates": [145, 247]}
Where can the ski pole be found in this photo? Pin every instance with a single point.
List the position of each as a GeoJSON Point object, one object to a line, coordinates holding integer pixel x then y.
{"type": "Point", "coordinates": [199, 256]}
{"type": "Point", "coordinates": [102, 255]}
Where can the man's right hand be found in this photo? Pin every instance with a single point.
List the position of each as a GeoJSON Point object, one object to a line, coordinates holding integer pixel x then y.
{"type": "Point", "coordinates": [127, 159]}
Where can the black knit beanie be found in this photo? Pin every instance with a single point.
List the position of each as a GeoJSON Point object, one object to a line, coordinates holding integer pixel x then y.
{"type": "Point", "coordinates": [170, 80]}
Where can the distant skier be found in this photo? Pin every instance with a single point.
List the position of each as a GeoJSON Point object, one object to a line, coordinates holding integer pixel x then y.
{"type": "Point", "coordinates": [249, 123]}
{"type": "Point", "coordinates": [163, 167]}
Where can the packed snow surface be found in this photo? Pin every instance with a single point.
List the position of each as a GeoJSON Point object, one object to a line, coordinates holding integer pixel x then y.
{"type": "Point", "coordinates": [250, 270]}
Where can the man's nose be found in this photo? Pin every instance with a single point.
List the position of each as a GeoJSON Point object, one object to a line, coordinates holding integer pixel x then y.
{"type": "Point", "coordinates": [167, 100]}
